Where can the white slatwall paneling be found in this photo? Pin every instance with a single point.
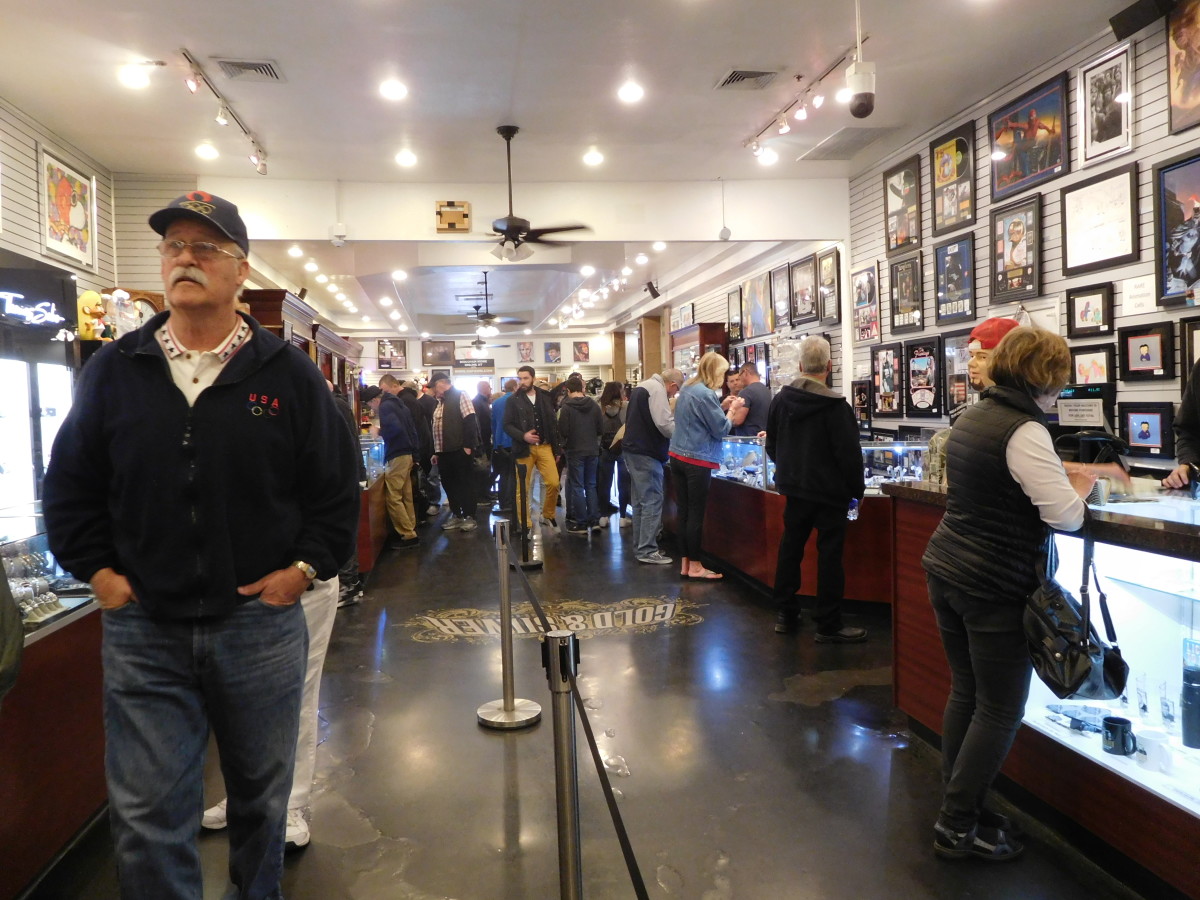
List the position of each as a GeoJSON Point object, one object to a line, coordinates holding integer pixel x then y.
{"type": "Point", "coordinates": [137, 197]}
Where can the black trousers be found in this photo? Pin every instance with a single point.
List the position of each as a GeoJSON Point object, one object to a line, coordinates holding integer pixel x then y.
{"type": "Point", "coordinates": [800, 517]}
{"type": "Point", "coordinates": [458, 480]}
{"type": "Point", "coordinates": [691, 496]}
{"type": "Point", "coordinates": [502, 468]}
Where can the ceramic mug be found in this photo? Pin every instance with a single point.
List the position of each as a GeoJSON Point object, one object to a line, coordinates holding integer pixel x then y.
{"type": "Point", "coordinates": [1116, 736]}
{"type": "Point", "coordinates": [1154, 751]}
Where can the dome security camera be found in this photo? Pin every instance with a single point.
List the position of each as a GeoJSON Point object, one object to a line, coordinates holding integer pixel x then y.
{"type": "Point", "coordinates": [860, 79]}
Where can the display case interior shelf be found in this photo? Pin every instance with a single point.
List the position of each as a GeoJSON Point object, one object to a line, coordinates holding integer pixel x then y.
{"type": "Point", "coordinates": [691, 342]}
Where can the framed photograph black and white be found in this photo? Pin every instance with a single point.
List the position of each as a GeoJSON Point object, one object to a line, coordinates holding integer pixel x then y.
{"type": "Point", "coordinates": [1029, 139]}
{"type": "Point", "coordinates": [860, 402]}
{"type": "Point", "coordinates": [781, 296]}
{"type": "Point", "coordinates": [1090, 310]}
{"type": "Point", "coordinates": [829, 286]}
{"type": "Point", "coordinates": [902, 206]}
{"type": "Point", "coordinates": [1147, 352]}
{"type": "Point", "coordinates": [1093, 364]}
{"type": "Point", "coordinates": [1100, 222]}
{"type": "Point", "coordinates": [865, 283]}
{"type": "Point", "coordinates": [733, 303]}
{"type": "Point", "coordinates": [804, 291]}
{"type": "Point", "coordinates": [1183, 66]}
{"type": "Point", "coordinates": [954, 280]}
{"type": "Point", "coordinates": [952, 177]}
{"type": "Point", "coordinates": [1016, 250]}
{"type": "Point", "coordinates": [1189, 343]}
{"type": "Point", "coordinates": [1177, 229]}
{"type": "Point", "coordinates": [1148, 428]}
{"type": "Point", "coordinates": [923, 376]}
{"type": "Point", "coordinates": [887, 381]}
{"type": "Point", "coordinates": [904, 282]}
{"type": "Point", "coordinates": [1106, 105]}
{"type": "Point", "coordinates": [955, 359]}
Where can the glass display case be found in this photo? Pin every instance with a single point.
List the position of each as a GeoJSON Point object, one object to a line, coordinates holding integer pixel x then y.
{"type": "Point", "coordinates": [886, 461]}
{"type": "Point", "coordinates": [744, 459]}
{"type": "Point", "coordinates": [372, 455]}
{"type": "Point", "coordinates": [41, 589]}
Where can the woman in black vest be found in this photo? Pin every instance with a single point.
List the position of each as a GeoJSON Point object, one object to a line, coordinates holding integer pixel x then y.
{"type": "Point", "coordinates": [1006, 490]}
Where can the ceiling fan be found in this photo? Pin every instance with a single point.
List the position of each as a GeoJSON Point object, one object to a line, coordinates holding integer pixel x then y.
{"type": "Point", "coordinates": [515, 232]}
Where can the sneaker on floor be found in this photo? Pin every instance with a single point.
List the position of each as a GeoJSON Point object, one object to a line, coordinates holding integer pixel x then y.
{"type": "Point", "coordinates": [603, 523]}
{"type": "Point", "coordinates": [452, 523]}
{"type": "Point", "coordinates": [214, 817]}
{"type": "Point", "coordinates": [655, 559]}
{"type": "Point", "coordinates": [404, 543]}
{"type": "Point", "coordinates": [348, 598]}
{"type": "Point", "coordinates": [787, 622]}
{"type": "Point", "coordinates": [297, 829]}
{"type": "Point", "coordinates": [577, 529]}
{"type": "Point", "coordinates": [549, 522]}
{"type": "Point", "coordinates": [467, 525]}
{"type": "Point", "coordinates": [850, 634]}
{"type": "Point", "coordinates": [626, 521]}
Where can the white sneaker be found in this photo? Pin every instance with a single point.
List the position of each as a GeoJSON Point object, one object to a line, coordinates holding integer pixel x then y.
{"type": "Point", "coordinates": [604, 523]}
{"type": "Point", "coordinates": [452, 523]}
{"type": "Point", "coordinates": [467, 525]}
{"type": "Point", "coordinates": [214, 817]}
{"type": "Point", "coordinates": [297, 828]}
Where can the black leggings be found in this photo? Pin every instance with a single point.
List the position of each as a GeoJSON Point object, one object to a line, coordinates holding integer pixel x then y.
{"type": "Point", "coordinates": [691, 494]}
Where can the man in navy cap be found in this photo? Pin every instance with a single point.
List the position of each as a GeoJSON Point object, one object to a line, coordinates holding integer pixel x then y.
{"type": "Point", "coordinates": [200, 483]}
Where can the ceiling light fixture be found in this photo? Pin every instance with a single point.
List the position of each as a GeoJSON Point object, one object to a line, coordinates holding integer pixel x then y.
{"type": "Point", "coordinates": [550, 322]}
{"type": "Point", "coordinates": [818, 100]}
{"type": "Point", "coordinates": [801, 112]}
{"type": "Point", "coordinates": [768, 157]}
{"type": "Point", "coordinates": [258, 159]}
{"type": "Point", "coordinates": [394, 315]}
{"type": "Point", "coordinates": [352, 309]}
{"type": "Point", "coordinates": [626, 270]}
{"type": "Point", "coordinates": [366, 318]}
{"type": "Point", "coordinates": [810, 94]}
{"type": "Point", "coordinates": [340, 296]}
{"type": "Point", "coordinates": [755, 148]}
{"type": "Point", "coordinates": [310, 266]}
{"type": "Point", "coordinates": [136, 76]}
{"type": "Point", "coordinates": [784, 127]}
{"type": "Point", "coordinates": [391, 89]}
{"type": "Point", "coordinates": [406, 158]}
{"type": "Point", "coordinates": [322, 278]}
{"type": "Point", "coordinates": [528, 331]}
{"type": "Point", "coordinates": [658, 246]}
{"type": "Point", "coordinates": [222, 116]}
{"type": "Point", "coordinates": [630, 92]}
{"type": "Point", "coordinates": [402, 327]}
{"type": "Point", "coordinates": [207, 151]}
{"type": "Point", "coordinates": [225, 112]}
{"type": "Point", "coordinates": [332, 288]}
{"type": "Point", "coordinates": [424, 334]}
{"type": "Point", "coordinates": [295, 252]}
{"type": "Point", "coordinates": [587, 271]}
{"type": "Point", "coordinates": [724, 234]}
{"type": "Point", "coordinates": [641, 259]}
{"type": "Point", "coordinates": [399, 275]}
{"type": "Point", "coordinates": [385, 301]}
{"type": "Point", "coordinates": [593, 157]}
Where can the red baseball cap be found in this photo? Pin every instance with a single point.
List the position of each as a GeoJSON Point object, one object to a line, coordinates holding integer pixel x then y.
{"type": "Point", "coordinates": [987, 334]}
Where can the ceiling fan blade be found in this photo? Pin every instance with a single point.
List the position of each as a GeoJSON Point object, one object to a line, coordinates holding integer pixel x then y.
{"type": "Point", "coordinates": [508, 320]}
{"type": "Point", "coordinates": [534, 235]}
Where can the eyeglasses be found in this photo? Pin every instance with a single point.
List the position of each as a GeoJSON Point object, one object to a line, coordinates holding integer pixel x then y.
{"type": "Point", "coordinates": [203, 251]}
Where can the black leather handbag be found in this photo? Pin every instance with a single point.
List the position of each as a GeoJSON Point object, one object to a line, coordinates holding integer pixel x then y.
{"type": "Point", "coordinates": [1067, 652]}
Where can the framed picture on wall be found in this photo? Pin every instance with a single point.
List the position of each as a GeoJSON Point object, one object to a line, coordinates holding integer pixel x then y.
{"type": "Point", "coordinates": [581, 351]}
{"type": "Point", "coordinates": [860, 401]}
{"type": "Point", "coordinates": [675, 320]}
{"type": "Point", "coordinates": [733, 303]}
{"type": "Point", "coordinates": [887, 381]}
{"type": "Point", "coordinates": [437, 353]}
{"type": "Point", "coordinates": [829, 286]}
{"type": "Point", "coordinates": [1148, 428]}
{"type": "Point", "coordinates": [68, 210]}
{"type": "Point", "coordinates": [865, 284]}
{"type": "Point", "coordinates": [1177, 228]}
{"type": "Point", "coordinates": [1106, 105]}
{"type": "Point", "coordinates": [1100, 222]}
{"type": "Point", "coordinates": [952, 177]}
{"type": "Point", "coordinates": [1183, 66]}
{"type": "Point", "coordinates": [525, 352]}
{"type": "Point", "coordinates": [781, 296]}
{"type": "Point", "coordinates": [1090, 310]}
{"type": "Point", "coordinates": [923, 376]}
{"type": "Point", "coordinates": [954, 280]}
{"type": "Point", "coordinates": [552, 351]}
{"type": "Point", "coordinates": [907, 302]}
{"type": "Point", "coordinates": [1147, 352]}
{"type": "Point", "coordinates": [758, 318]}
{"type": "Point", "coordinates": [1028, 139]}
{"type": "Point", "coordinates": [687, 314]}
{"type": "Point", "coordinates": [1093, 364]}
{"type": "Point", "coordinates": [751, 353]}
{"type": "Point", "coordinates": [1189, 331]}
{"type": "Point", "coordinates": [902, 206]}
{"type": "Point", "coordinates": [1016, 250]}
{"type": "Point", "coordinates": [955, 358]}
{"type": "Point", "coordinates": [804, 291]}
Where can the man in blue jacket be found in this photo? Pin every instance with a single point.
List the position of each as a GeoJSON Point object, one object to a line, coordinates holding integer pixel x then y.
{"type": "Point", "coordinates": [502, 452]}
{"type": "Point", "coordinates": [201, 482]}
{"type": "Point", "coordinates": [400, 447]}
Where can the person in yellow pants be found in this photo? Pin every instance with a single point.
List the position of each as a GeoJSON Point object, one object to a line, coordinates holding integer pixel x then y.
{"type": "Point", "coordinates": [529, 420]}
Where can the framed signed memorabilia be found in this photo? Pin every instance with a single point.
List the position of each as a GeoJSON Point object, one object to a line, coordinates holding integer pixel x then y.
{"type": "Point", "coordinates": [804, 291]}
{"type": "Point", "coordinates": [952, 179]}
{"type": "Point", "coordinates": [902, 206]}
{"type": "Point", "coordinates": [1016, 250]}
{"type": "Point", "coordinates": [865, 284]}
{"type": "Point", "coordinates": [923, 376]}
{"type": "Point", "coordinates": [829, 286]}
{"type": "Point", "coordinates": [1100, 222]}
{"type": "Point", "coordinates": [954, 280]}
{"type": "Point", "coordinates": [1183, 66]}
{"type": "Point", "coordinates": [1106, 105]}
{"type": "Point", "coordinates": [1028, 139]}
{"type": "Point", "coordinates": [904, 280]}
{"type": "Point", "coordinates": [887, 381]}
{"type": "Point", "coordinates": [781, 296]}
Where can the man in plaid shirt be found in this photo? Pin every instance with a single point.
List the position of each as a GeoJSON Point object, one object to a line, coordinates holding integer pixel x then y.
{"type": "Point", "coordinates": [455, 441]}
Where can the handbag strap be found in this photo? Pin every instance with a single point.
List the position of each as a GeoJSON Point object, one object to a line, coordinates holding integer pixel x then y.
{"type": "Point", "coordinates": [1090, 575]}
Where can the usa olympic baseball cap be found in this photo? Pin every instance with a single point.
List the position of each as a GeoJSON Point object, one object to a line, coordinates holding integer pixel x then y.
{"type": "Point", "coordinates": [208, 208]}
{"type": "Point", "coordinates": [987, 334]}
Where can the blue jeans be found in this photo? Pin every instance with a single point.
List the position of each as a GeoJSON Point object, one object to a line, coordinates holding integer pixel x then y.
{"type": "Point", "coordinates": [646, 491]}
{"type": "Point", "coordinates": [166, 683]}
{"type": "Point", "coordinates": [604, 480]}
{"type": "Point", "coordinates": [583, 505]}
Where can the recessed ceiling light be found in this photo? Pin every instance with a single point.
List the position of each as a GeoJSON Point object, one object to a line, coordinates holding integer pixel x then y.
{"type": "Point", "coordinates": [584, 293]}
{"type": "Point", "coordinates": [768, 157]}
{"type": "Point", "coordinates": [310, 266]}
{"type": "Point", "coordinates": [399, 275]}
{"type": "Point", "coordinates": [402, 327]}
{"type": "Point", "coordinates": [332, 288]}
{"type": "Point", "coordinates": [295, 251]}
{"type": "Point", "coordinates": [528, 331]}
{"type": "Point", "coordinates": [406, 158]}
{"type": "Point", "coordinates": [587, 271]}
{"type": "Point", "coordinates": [321, 279]}
{"type": "Point", "coordinates": [424, 334]}
{"type": "Point", "coordinates": [552, 322]}
{"type": "Point", "coordinates": [385, 301]}
{"type": "Point", "coordinates": [207, 151]}
{"type": "Point", "coordinates": [340, 296]}
{"type": "Point", "coordinates": [630, 92]}
{"type": "Point", "coordinates": [135, 76]}
{"type": "Point", "coordinates": [352, 309]}
{"type": "Point", "coordinates": [394, 315]}
{"type": "Point", "coordinates": [366, 318]}
{"type": "Point", "coordinates": [593, 157]}
{"type": "Point", "coordinates": [641, 259]}
{"type": "Point", "coordinates": [393, 89]}
{"type": "Point", "coordinates": [658, 246]}
{"type": "Point", "coordinates": [626, 270]}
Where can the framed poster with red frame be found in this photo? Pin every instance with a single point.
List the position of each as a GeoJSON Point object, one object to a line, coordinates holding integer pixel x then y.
{"type": "Point", "coordinates": [923, 376]}
{"type": "Point", "coordinates": [887, 381]}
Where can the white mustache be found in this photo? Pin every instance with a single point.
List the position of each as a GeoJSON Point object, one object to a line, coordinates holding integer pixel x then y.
{"type": "Point", "coordinates": [192, 273]}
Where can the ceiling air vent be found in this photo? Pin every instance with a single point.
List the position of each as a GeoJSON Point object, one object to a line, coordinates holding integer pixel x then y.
{"type": "Point", "coordinates": [846, 143]}
{"type": "Point", "coordinates": [246, 70]}
{"type": "Point", "coordinates": [745, 80]}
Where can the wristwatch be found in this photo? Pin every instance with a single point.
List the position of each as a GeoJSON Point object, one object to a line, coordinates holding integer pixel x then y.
{"type": "Point", "coordinates": [309, 572]}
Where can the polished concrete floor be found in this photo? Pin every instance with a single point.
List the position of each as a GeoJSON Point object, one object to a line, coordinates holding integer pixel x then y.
{"type": "Point", "coordinates": [748, 765]}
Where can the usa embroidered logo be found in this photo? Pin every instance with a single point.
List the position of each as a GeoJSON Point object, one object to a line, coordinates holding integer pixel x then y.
{"type": "Point", "coordinates": [263, 405]}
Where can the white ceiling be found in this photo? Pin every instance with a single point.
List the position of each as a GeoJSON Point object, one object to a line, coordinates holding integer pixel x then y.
{"type": "Point", "coordinates": [548, 66]}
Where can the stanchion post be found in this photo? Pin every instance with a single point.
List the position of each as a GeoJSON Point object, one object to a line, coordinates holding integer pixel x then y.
{"type": "Point", "coordinates": [560, 656]}
{"type": "Point", "coordinates": [509, 712]}
{"type": "Point", "coordinates": [529, 559]}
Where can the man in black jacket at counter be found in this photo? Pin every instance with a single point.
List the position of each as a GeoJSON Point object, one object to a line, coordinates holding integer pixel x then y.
{"type": "Point", "coordinates": [813, 438]}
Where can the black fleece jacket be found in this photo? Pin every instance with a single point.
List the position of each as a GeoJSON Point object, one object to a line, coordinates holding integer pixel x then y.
{"type": "Point", "coordinates": [813, 439]}
{"type": "Point", "coordinates": [191, 502]}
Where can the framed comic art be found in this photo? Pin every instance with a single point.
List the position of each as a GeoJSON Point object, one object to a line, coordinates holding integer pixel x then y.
{"type": "Point", "coordinates": [1148, 428]}
{"type": "Point", "coordinates": [758, 318]}
{"type": "Point", "coordinates": [1016, 250]}
{"type": "Point", "coordinates": [1100, 222]}
{"type": "Point", "coordinates": [733, 303]}
{"type": "Point", "coordinates": [804, 291]}
{"type": "Point", "coordinates": [781, 296]}
{"type": "Point", "coordinates": [1106, 105]}
{"type": "Point", "coordinates": [1093, 364]}
{"type": "Point", "coordinates": [860, 402]}
{"type": "Point", "coordinates": [1189, 331]}
{"type": "Point", "coordinates": [887, 381]}
{"type": "Point", "coordinates": [904, 283]}
{"type": "Point", "coordinates": [68, 210]}
{"type": "Point", "coordinates": [923, 376]}
{"type": "Point", "coordinates": [955, 358]}
{"type": "Point", "coordinates": [1177, 229]}
{"type": "Point", "coordinates": [954, 280]}
{"type": "Point", "coordinates": [902, 206]}
{"type": "Point", "coordinates": [1183, 66]}
{"type": "Point", "coordinates": [1090, 310]}
{"type": "Point", "coordinates": [687, 314]}
{"type": "Point", "coordinates": [865, 284]}
{"type": "Point", "coordinates": [952, 176]}
{"type": "Point", "coordinates": [829, 286]}
{"type": "Point", "coordinates": [1147, 352]}
{"type": "Point", "coordinates": [1028, 139]}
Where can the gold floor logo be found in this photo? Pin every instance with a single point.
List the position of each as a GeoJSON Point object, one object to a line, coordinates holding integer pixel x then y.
{"type": "Point", "coordinates": [637, 614]}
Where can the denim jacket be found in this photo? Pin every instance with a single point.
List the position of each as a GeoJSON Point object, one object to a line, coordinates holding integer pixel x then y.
{"type": "Point", "coordinates": [700, 424]}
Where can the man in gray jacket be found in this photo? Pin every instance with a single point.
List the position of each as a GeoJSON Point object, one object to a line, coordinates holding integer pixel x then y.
{"type": "Point", "coordinates": [649, 424]}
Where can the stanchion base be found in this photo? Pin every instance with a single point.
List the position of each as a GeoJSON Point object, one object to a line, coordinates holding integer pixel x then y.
{"type": "Point", "coordinates": [523, 714]}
